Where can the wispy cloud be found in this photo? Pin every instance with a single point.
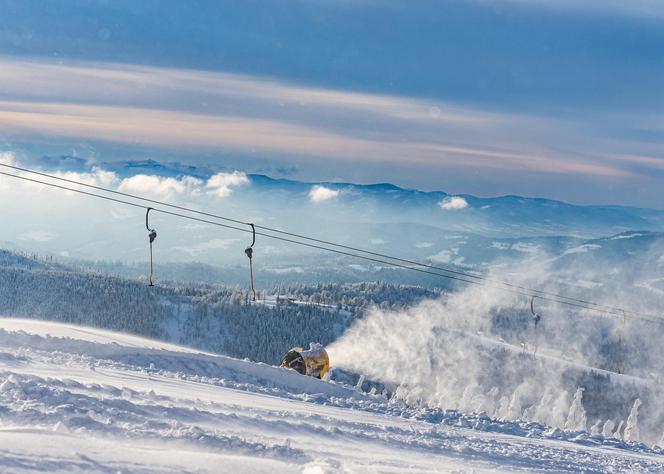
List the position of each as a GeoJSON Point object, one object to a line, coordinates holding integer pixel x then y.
{"type": "Point", "coordinates": [37, 236]}
{"type": "Point", "coordinates": [203, 247]}
{"type": "Point", "coordinates": [188, 109]}
{"type": "Point", "coordinates": [648, 8]}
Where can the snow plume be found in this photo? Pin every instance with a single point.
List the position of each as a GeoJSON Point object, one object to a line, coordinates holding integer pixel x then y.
{"type": "Point", "coordinates": [632, 427]}
{"type": "Point", "coordinates": [321, 193]}
{"type": "Point", "coordinates": [477, 350]}
{"type": "Point", "coordinates": [576, 418]}
{"type": "Point", "coordinates": [453, 203]}
{"type": "Point", "coordinates": [441, 354]}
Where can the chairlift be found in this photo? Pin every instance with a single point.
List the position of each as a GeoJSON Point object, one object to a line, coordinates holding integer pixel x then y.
{"type": "Point", "coordinates": [152, 235]}
{"type": "Point", "coordinates": [249, 252]}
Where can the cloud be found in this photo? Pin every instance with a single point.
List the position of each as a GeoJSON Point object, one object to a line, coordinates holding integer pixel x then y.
{"type": "Point", "coordinates": [37, 236]}
{"type": "Point", "coordinates": [321, 193]}
{"type": "Point", "coordinates": [155, 186]}
{"type": "Point", "coordinates": [453, 203]}
{"type": "Point", "coordinates": [96, 177]}
{"type": "Point", "coordinates": [444, 256]}
{"type": "Point", "coordinates": [203, 247]}
{"type": "Point", "coordinates": [385, 137]}
{"type": "Point", "coordinates": [161, 187]}
{"type": "Point", "coordinates": [89, 101]}
{"type": "Point", "coordinates": [525, 247]}
{"type": "Point", "coordinates": [582, 249]}
{"type": "Point", "coordinates": [111, 83]}
{"type": "Point", "coordinates": [221, 183]}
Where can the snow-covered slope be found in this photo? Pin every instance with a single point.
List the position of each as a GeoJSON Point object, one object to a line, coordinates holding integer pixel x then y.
{"type": "Point", "coordinates": [74, 399]}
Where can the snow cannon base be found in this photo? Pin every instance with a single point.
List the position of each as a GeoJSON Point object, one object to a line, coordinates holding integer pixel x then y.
{"type": "Point", "coordinates": [313, 362]}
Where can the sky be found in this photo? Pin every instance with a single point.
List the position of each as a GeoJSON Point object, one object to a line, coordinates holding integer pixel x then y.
{"type": "Point", "coordinates": [544, 98]}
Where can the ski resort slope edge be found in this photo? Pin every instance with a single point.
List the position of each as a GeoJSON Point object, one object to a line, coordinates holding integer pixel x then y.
{"type": "Point", "coordinates": [76, 399]}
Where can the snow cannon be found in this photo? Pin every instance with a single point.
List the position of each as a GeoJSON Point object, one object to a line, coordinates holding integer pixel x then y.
{"type": "Point", "coordinates": [313, 362]}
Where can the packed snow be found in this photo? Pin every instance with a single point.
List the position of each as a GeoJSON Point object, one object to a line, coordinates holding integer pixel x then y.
{"type": "Point", "coordinates": [76, 399]}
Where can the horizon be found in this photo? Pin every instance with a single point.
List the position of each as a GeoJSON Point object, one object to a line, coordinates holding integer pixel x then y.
{"type": "Point", "coordinates": [487, 98]}
{"type": "Point", "coordinates": [128, 168]}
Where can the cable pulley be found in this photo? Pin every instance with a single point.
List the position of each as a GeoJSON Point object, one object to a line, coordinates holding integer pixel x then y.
{"type": "Point", "coordinates": [152, 235]}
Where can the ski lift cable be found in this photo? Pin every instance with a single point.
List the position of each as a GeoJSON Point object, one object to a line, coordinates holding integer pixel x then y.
{"type": "Point", "coordinates": [591, 307]}
{"type": "Point", "coordinates": [312, 239]}
{"type": "Point", "coordinates": [325, 242]}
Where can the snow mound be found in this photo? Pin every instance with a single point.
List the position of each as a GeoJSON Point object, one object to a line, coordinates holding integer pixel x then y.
{"type": "Point", "coordinates": [76, 399]}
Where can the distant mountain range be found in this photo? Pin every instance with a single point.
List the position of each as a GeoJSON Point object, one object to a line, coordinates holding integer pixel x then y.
{"type": "Point", "coordinates": [461, 231]}
{"type": "Point", "coordinates": [383, 203]}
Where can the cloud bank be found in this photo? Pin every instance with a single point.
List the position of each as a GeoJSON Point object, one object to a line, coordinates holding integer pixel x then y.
{"type": "Point", "coordinates": [219, 185]}
{"type": "Point", "coordinates": [152, 106]}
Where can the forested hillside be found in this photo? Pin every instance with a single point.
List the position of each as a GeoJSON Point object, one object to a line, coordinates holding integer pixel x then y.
{"type": "Point", "coordinates": [223, 319]}
{"type": "Point", "coordinates": [210, 317]}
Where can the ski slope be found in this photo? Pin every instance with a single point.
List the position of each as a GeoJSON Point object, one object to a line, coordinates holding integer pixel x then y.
{"type": "Point", "coordinates": [76, 399]}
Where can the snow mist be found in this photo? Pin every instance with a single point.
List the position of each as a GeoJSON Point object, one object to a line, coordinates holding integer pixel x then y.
{"type": "Point", "coordinates": [479, 350]}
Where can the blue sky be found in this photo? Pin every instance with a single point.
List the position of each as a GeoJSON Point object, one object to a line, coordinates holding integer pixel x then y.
{"type": "Point", "coordinates": [544, 98]}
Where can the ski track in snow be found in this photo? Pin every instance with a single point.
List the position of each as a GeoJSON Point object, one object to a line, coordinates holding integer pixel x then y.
{"type": "Point", "coordinates": [84, 400]}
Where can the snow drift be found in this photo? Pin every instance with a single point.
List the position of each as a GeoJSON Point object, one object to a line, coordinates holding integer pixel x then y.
{"type": "Point", "coordinates": [75, 399]}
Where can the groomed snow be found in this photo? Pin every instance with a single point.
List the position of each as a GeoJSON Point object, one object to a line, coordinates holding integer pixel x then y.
{"type": "Point", "coordinates": [77, 399]}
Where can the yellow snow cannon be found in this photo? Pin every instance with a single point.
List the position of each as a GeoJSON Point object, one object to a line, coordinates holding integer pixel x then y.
{"type": "Point", "coordinates": [313, 362]}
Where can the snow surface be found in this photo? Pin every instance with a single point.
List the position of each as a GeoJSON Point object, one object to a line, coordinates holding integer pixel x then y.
{"type": "Point", "coordinates": [77, 399]}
